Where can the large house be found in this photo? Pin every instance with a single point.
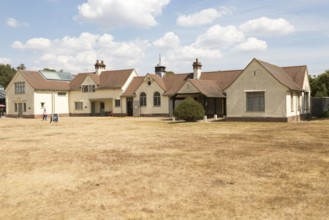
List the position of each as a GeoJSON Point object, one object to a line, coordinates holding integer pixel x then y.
{"type": "Point", "coordinates": [261, 91]}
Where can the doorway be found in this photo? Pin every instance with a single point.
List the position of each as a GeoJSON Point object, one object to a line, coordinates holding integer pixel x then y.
{"type": "Point", "coordinates": [102, 108]}
{"type": "Point", "coordinates": [129, 106]}
{"type": "Point", "coordinates": [20, 109]}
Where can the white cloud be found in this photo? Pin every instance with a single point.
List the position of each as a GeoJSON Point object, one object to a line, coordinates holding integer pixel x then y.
{"type": "Point", "coordinates": [112, 13]}
{"type": "Point", "coordinates": [218, 36]}
{"type": "Point", "coordinates": [4, 60]}
{"type": "Point", "coordinates": [252, 44]}
{"type": "Point", "coordinates": [12, 22]}
{"type": "Point", "coordinates": [34, 43]}
{"type": "Point", "coordinates": [79, 53]}
{"type": "Point", "coordinates": [189, 53]}
{"type": "Point", "coordinates": [202, 17]}
{"type": "Point", "coordinates": [169, 40]}
{"type": "Point", "coordinates": [266, 25]}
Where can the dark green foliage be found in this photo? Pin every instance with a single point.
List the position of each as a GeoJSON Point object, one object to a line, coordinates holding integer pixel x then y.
{"type": "Point", "coordinates": [189, 110]}
{"type": "Point", "coordinates": [6, 74]}
{"type": "Point", "coordinates": [325, 114]}
{"type": "Point", "coordinates": [320, 85]}
{"type": "Point", "coordinates": [170, 73]}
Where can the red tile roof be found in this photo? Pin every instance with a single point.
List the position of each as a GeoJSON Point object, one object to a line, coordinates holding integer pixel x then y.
{"type": "Point", "coordinates": [114, 79]}
{"type": "Point", "coordinates": [133, 86]}
{"type": "Point", "coordinates": [209, 88]}
{"type": "Point", "coordinates": [38, 82]}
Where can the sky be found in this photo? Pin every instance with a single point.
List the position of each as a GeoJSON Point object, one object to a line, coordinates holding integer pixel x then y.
{"type": "Point", "coordinates": [70, 35]}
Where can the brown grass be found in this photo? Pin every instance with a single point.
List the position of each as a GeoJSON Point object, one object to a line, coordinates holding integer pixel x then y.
{"type": "Point", "coordinates": [150, 168]}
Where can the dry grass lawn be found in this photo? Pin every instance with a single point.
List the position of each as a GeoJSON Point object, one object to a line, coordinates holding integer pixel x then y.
{"type": "Point", "coordinates": [150, 168]}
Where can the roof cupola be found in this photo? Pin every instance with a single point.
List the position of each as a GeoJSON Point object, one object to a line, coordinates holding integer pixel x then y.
{"type": "Point", "coordinates": [160, 69]}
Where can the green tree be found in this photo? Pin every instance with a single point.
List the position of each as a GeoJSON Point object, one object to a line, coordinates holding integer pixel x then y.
{"type": "Point", "coordinates": [6, 74]}
{"type": "Point", "coordinates": [21, 67]}
{"type": "Point", "coordinates": [320, 85]}
{"type": "Point", "coordinates": [48, 69]}
{"type": "Point", "coordinates": [169, 73]}
{"type": "Point", "coordinates": [189, 110]}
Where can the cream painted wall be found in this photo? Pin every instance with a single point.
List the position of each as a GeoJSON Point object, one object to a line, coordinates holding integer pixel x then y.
{"type": "Point", "coordinates": [261, 80]}
{"type": "Point", "coordinates": [104, 95]}
{"type": "Point", "coordinates": [12, 98]}
{"type": "Point", "coordinates": [149, 91]}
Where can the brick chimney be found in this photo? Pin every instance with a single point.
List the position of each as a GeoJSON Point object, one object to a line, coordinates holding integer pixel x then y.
{"type": "Point", "coordinates": [196, 69]}
{"type": "Point", "coordinates": [99, 67]}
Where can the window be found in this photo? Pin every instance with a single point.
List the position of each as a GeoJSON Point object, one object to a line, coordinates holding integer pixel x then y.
{"type": "Point", "coordinates": [42, 105]}
{"type": "Point", "coordinates": [117, 103]}
{"type": "Point", "coordinates": [142, 99]}
{"type": "Point", "coordinates": [291, 101]}
{"type": "Point", "coordinates": [255, 101]}
{"type": "Point", "coordinates": [88, 88]}
{"type": "Point", "coordinates": [19, 88]}
{"type": "Point", "coordinates": [156, 99]}
{"type": "Point", "coordinates": [24, 107]}
{"type": "Point", "coordinates": [306, 101]}
{"type": "Point", "coordinates": [61, 93]}
{"type": "Point", "coordinates": [299, 105]}
{"type": "Point", "coordinates": [78, 105]}
{"type": "Point", "coordinates": [16, 107]}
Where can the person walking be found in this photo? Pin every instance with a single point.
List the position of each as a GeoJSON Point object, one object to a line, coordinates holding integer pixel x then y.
{"type": "Point", "coordinates": [44, 116]}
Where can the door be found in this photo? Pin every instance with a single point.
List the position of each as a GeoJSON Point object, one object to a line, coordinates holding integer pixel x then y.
{"type": "Point", "coordinates": [20, 109]}
{"type": "Point", "coordinates": [102, 108]}
{"type": "Point", "coordinates": [93, 108]}
{"type": "Point", "coordinates": [130, 106]}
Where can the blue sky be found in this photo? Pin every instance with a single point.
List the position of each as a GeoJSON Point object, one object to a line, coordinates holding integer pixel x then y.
{"type": "Point", "coordinates": [222, 34]}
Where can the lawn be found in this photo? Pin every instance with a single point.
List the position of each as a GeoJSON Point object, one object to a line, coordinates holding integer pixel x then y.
{"type": "Point", "coordinates": [152, 168]}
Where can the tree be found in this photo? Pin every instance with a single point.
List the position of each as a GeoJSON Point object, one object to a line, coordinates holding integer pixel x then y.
{"type": "Point", "coordinates": [50, 70]}
{"type": "Point", "coordinates": [21, 67]}
{"type": "Point", "coordinates": [6, 74]}
{"type": "Point", "coordinates": [320, 85]}
{"type": "Point", "coordinates": [189, 110]}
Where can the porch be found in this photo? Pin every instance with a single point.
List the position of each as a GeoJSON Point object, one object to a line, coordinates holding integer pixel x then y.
{"type": "Point", "coordinates": [101, 107]}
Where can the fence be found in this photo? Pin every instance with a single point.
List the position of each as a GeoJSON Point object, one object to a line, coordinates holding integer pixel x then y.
{"type": "Point", "coordinates": [319, 106]}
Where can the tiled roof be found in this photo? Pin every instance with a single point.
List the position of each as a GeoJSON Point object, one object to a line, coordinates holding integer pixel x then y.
{"type": "Point", "coordinates": [173, 82]}
{"type": "Point", "coordinates": [38, 82]}
{"type": "Point", "coordinates": [281, 75]}
{"type": "Point", "coordinates": [133, 86]}
{"type": "Point", "coordinates": [297, 73]}
{"type": "Point", "coordinates": [208, 88]}
{"type": "Point", "coordinates": [114, 79]}
{"type": "Point", "coordinates": [158, 80]}
{"type": "Point", "coordinates": [77, 81]}
{"type": "Point", "coordinates": [222, 78]}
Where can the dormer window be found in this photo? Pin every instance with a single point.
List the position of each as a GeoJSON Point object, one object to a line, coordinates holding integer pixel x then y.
{"type": "Point", "coordinates": [88, 88]}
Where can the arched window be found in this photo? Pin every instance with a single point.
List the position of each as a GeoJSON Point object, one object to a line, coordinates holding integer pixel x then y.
{"type": "Point", "coordinates": [142, 99]}
{"type": "Point", "coordinates": [156, 99]}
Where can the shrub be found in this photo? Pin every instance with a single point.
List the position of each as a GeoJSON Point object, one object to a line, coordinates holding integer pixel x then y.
{"type": "Point", "coordinates": [325, 114]}
{"type": "Point", "coordinates": [189, 110]}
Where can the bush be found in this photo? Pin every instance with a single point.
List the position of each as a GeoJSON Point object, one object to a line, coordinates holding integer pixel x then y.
{"type": "Point", "coordinates": [189, 110]}
{"type": "Point", "coordinates": [325, 114]}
